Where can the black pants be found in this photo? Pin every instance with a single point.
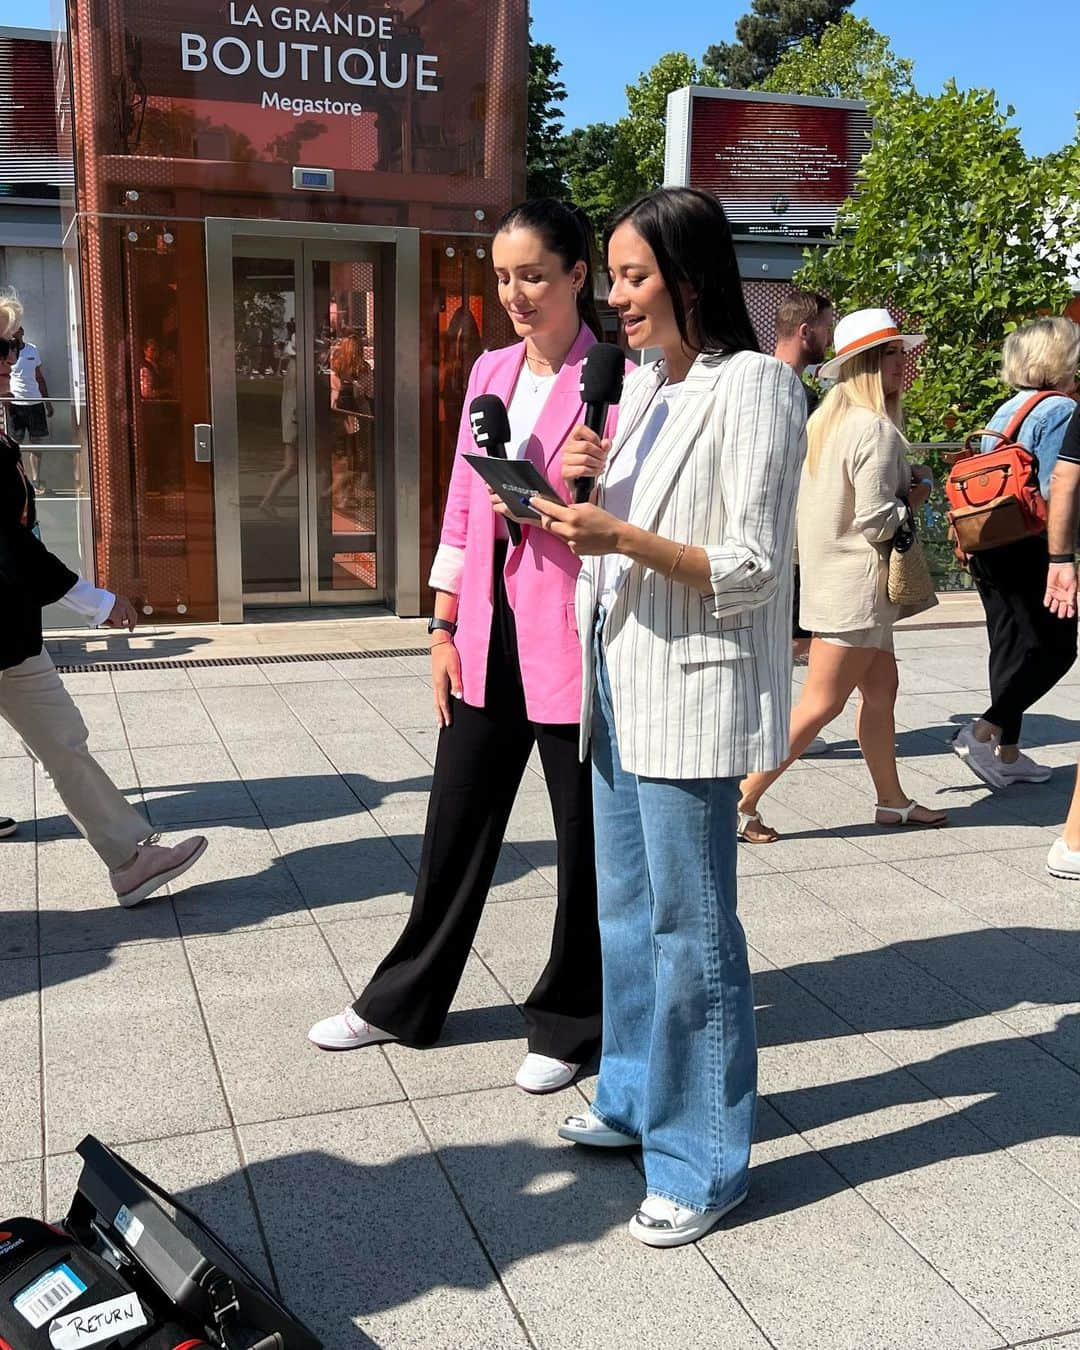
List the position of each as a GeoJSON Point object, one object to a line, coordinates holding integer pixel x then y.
{"type": "Point", "coordinates": [479, 763]}
{"type": "Point", "coordinates": [1030, 648]}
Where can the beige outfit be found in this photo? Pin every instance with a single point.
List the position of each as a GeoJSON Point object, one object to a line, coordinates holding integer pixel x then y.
{"type": "Point", "coordinates": [848, 511]}
{"type": "Point", "coordinates": [34, 702]}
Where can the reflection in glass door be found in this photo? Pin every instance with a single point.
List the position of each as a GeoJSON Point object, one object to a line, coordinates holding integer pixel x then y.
{"type": "Point", "coordinates": [309, 419]}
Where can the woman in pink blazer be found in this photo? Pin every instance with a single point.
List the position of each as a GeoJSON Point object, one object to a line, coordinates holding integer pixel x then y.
{"type": "Point", "coordinates": [506, 671]}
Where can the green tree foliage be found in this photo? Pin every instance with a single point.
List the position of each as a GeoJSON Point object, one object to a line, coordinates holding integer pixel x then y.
{"type": "Point", "coordinates": [646, 119]}
{"type": "Point", "coordinates": [766, 34]}
{"type": "Point", "coordinates": [544, 175]}
{"type": "Point", "coordinates": [601, 171]}
{"type": "Point", "coordinates": [957, 227]}
{"type": "Point", "coordinates": [848, 58]}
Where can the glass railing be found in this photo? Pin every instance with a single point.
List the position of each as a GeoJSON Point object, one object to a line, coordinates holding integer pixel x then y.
{"type": "Point", "coordinates": [54, 461]}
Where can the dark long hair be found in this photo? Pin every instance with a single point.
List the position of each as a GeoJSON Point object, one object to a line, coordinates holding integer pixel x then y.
{"type": "Point", "coordinates": [689, 233]}
{"type": "Point", "coordinates": [564, 229]}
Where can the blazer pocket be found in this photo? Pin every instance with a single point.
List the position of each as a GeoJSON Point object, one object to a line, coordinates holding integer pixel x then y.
{"type": "Point", "coordinates": [571, 616]}
{"type": "Point", "coordinates": [698, 649]}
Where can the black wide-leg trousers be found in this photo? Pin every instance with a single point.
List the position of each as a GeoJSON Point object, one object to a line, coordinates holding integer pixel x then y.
{"type": "Point", "coordinates": [479, 763]}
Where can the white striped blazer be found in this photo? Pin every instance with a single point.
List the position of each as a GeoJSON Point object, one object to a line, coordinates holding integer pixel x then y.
{"type": "Point", "coordinates": [701, 685]}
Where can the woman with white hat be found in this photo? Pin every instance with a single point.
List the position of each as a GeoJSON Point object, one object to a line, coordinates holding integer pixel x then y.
{"type": "Point", "coordinates": [856, 487]}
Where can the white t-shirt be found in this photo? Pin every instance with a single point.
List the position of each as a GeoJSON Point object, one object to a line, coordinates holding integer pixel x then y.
{"type": "Point", "coordinates": [526, 404]}
{"type": "Point", "coordinates": [621, 479]}
{"type": "Point", "coordinates": [24, 385]}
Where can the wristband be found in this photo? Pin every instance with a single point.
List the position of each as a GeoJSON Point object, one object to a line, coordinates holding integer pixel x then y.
{"type": "Point", "coordinates": [1062, 557]}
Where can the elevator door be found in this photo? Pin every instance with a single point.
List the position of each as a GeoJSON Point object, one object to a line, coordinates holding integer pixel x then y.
{"type": "Point", "coordinates": [310, 421]}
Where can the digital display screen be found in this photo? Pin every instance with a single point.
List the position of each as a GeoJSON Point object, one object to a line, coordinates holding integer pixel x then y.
{"type": "Point", "coordinates": [312, 179]}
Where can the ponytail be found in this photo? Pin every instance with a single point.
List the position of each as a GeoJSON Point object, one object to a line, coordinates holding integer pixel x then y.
{"type": "Point", "coordinates": [566, 231]}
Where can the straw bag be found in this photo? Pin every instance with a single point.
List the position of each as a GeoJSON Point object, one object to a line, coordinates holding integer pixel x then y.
{"type": "Point", "coordinates": [910, 582]}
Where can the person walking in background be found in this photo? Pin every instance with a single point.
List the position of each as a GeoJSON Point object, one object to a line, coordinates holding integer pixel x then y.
{"type": "Point", "coordinates": [857, 487]}
{"type": "Point", "coordinates": [30, 405]}
{"type": "Point", "coordinates": [506, 671]}
{"type": "Point", "coordinates": [804, 331]}
{"type": "Point", "coordinates": [1060, 600]}
{"type": "Point", "coordinates": [684, 610]}
{"type": "Point", "coordinates": [1030, 648]}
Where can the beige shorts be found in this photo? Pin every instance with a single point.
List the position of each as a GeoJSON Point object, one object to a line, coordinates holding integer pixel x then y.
{"type": "Point", "coordinates": [880, 636]}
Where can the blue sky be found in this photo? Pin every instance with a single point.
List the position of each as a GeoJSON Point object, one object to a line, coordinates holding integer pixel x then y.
{"type": "Point", "coordinates": [1028, 50]}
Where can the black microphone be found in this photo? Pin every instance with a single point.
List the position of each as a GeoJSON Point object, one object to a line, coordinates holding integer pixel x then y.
{"type": "Point", "coordinates": [601, 385]}
{"type": "Point", "coordinates": [491, 432]}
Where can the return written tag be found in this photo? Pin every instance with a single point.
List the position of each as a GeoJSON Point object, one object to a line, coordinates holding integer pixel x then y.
{"type": "Point", "coordinates": [100, 1322]}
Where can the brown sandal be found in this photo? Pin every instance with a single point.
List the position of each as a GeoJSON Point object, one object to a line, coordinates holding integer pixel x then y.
{"type": "Point", "coordinates": [751, 820]}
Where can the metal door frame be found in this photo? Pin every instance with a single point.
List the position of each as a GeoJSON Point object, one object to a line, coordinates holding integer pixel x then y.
{"type": "Point", "coordinates": [400, 247]}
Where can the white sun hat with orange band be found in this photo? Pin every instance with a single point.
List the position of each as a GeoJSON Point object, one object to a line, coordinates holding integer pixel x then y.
{"type": "Point", "coordinates": [862, 330]}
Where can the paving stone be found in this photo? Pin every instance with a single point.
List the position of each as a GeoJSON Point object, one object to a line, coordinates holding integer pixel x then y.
{"type": "Point", "coordinates": [483, 1042]}
{"type": "Point", "coordinates": [79, 682]}
{"type": "Point", "coordinates": [20, 1100]}
{"type": "Point", "coordinates": [260, 993]}
{"type": "Point", "coordinates": [192, 782]}
{"type": "Point", "coordinates": [374, 667]}
{"type": "Point", "coordinates": [204, 1171]}
{"type": "Point", "coordinates": [514, 941]}
{"type": "Point", "coordinates": [214, 677]}
{"type": "Point", "coordinates": [345, 867]}
{"type": "Point", "coordinates": [136, 1008]}
{"type": "Point", "coordinates": [381, 770]}
{"type": "Point", "coordinates": [328, 710]}
{"type": "Point", "coordinates": [249, 713]}
{"type": "Point", "coordinates": [289, 777]}
{"type": "Point", "coordinates": [172, 717]}
{"type": "Point", "coordinates": [241, 881]}
{"type": "Point", "coordinates": [553, 1218]}
{"type": "Point", "coordinates": [147, 681]}
{"type": "Point", "coordinates": [353, 1260]}
{"type": "Point", "coordinates": [101, 713]}
{"type": "Point", "coordinates": [21, 1189]}
{"type": "Point", "coordinates": [18, 898]}
{"type": "Point", "coordinates": [801, 1231]}
{"type": "Point", "coordinates": [300, 672]}
{"type": "Point", "coordinates": [404, 702]}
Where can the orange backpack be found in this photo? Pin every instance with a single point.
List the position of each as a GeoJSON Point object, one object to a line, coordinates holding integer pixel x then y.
{"type": "Point", "coordinates": [994, 498]}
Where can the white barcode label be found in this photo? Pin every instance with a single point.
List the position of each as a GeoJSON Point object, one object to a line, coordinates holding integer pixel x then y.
{"type": "Point", "coordinates": [48, 1294]}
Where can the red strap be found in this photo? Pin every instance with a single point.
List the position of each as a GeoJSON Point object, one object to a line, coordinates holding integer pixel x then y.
{"type": "Point", "coordinates": [1028, 406]}
{"type": "Point", "coordinates": [24, 515]}
{"type": "Point", "coordinates": [190, 1345]}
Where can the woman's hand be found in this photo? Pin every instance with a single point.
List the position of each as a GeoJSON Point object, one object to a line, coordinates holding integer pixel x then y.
{"type": "Point", "coordinates": [1060, 598]}
{"type": "Point", "coordinates": [122, 615]}
{"type": "Point", "coordinates": [922, 484]}
{"type": "Point", "coordinates": [445, 679]}
{"type": "Point", "coordinates": [586, 529]}
{"type": "Point", "coordinates": [584, 455]}
{"type": "Point", "coordinates": [501, 509]}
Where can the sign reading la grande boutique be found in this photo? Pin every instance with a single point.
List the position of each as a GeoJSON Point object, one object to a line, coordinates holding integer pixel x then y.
{"type": "Point", "coordinates": [317, 57]}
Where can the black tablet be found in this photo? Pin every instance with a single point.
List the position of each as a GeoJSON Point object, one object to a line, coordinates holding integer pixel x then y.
{"type": "Point", "coordinates": [513, 479]}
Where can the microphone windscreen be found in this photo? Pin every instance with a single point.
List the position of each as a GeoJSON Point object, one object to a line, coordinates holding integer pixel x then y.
{"type": "Point", "coordinates": [489, 421]}
{"type": "Point", "coordinates": [602, 373]}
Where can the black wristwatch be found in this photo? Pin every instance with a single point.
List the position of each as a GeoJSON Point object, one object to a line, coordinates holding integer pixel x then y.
{"type": "Point", "coordinates": [1062, 557]}
{"type": "Point", "coordinates": [441, 625]}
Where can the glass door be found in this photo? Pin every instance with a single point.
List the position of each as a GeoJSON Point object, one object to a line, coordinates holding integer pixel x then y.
{"type": "Point", "coordinates": [309, 421]}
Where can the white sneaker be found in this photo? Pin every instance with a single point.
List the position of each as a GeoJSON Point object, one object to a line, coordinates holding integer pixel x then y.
{"type": "Point", "coordinates": [153, 866]}
{"type": "Point", "coordinates": [1063, 862]}
{"type": "Point", "coordinates": [818, 746]}
{"type": "Point", "coordinates": [588, 1129]}
{"type": "Point", "coordinates": [663, 1223]}
{"type": "Point", "coordinates": [346, 1031]}
{"type": "Point", "coordinates": [539, 1073]}
{"type": "Point", "coordinates": [1023, 769]}
{"type": "Point", "coordinates": [979, 756]}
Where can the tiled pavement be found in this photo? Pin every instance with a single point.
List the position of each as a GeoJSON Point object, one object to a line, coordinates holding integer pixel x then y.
{"type": "Point", "coordinates": [916, 1180]}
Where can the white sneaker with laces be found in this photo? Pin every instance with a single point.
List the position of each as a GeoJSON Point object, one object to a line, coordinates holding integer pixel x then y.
{"type": "Point", "coordinates": [589, 1129]}
{"type": "Point", "coordinates": [346, 1031]}
{"type": "Point", "coordinates": [1023, 769]}
{"type": "Point", "coordinates": [540, 1073]}
{"type": "Point", "coordinates": [152, 866]}
{"type": "Point", "coordinates": [663, 1223]}
{"type": "Point", "coordinates": [1063, 862]}
{"type": "Point", "coordinates": [979, 756]}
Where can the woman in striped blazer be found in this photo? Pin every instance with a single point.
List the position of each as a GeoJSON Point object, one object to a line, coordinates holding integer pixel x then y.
{"type": "Point", "coordinates": [684, 607]}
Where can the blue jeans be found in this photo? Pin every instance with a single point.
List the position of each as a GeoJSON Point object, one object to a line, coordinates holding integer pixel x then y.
{"type": "Point", "coordinates": [679, 1063]}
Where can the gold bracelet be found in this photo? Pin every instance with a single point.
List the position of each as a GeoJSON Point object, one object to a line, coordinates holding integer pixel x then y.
{"type": "Point", "coordinates": [678, 560]}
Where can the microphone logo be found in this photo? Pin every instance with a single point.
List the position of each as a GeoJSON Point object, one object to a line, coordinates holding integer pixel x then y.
{"type": "Point", "coordinates": [476, 421]}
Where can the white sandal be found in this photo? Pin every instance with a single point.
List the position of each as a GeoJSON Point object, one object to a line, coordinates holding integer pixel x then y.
{"type": "Point", "coordinates": [903, 814]}
{"type": "Point", "coordinates": [746, 818]}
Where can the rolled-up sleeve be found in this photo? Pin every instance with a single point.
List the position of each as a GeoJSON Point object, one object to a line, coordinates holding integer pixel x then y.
{"type": "Point", "coordinates": [763, 415]}
{"type": "Point", "coordinates": [879, 512]}
{"type": "Point", "coordinates": [449, 561]}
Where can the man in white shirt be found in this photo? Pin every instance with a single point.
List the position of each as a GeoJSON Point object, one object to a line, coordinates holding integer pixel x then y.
{"type": "Point", "coordinates": [30, 406]}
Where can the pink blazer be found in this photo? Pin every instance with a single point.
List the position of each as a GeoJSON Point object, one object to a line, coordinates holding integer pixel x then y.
{"type": "Point", "coordinates": [540, 571]}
